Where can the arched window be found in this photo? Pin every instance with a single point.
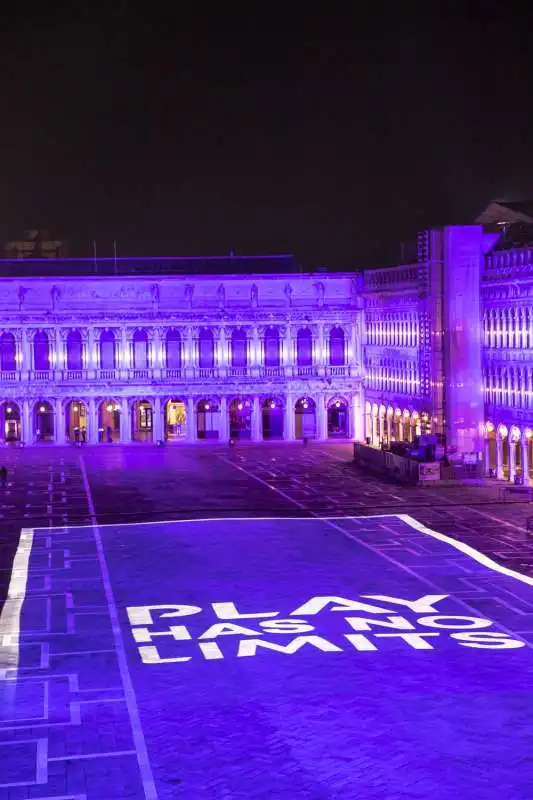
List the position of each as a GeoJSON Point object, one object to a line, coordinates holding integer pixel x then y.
{"type": "Point", "coordinates": [41, 351]}
{"type": "Point", "coordinates": [74, 350]}
{"type": "Point", "coordinates": [140, 350]}
{"type": "Point", "coordinates": [239, 348]}
{"type": "Point", "coordinates": [206, 349]}
{"type": "Point", "coordinates": [173, 345]}
{"type": "Point", "coordinates": [7, 352]}
{"type": "Point", "coordinates": [272, 349]}
{"type": "Point", "coordinates": [337, 356]}
{"type": "Point", "coordinates": [107, 350]}
{"type": "Point", "coordinates": [304, 348]}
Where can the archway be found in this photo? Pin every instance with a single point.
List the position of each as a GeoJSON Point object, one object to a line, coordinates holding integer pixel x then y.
{"type": "Point", "coordinates": [368, 423]}
{"type": "Point", "coordinates": [142, 421]}
{"type": "Point", "coordinates": [240, 418]}
{"type": "Point", "coordinates": [175, 420]}
{"type": "Point", "coordinates": [76, 421]}
{"type": "Point", "coordinates": [337, 418]}
{"type": "Point", "coordinates": [491, 454]}
{"type": "Point", "coordinates": [272, 418]}
{"type": "Point", "coordinates": [10, 416]}
{"type": "Point", "coordinates": [207, 419]}
{"type": "Point", "coordinates": [109, 421]}
{"type": "Point", "coordinates": [43, 421]}
{"type": "Point", "coordinates": [305, 418]}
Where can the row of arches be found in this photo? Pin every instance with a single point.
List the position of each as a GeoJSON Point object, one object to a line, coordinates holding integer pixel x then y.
{"type": "Point", "coordinates": [401, 330]}
{"type": "Point", "coordinates": [181, 419]}
{"type": "Point", "coordinates": [141, 351]}
{"type": "Point", "coordinates": [385, 424]}
{"type": "Point", "coordinates": [508, 450]}
{"type": "Point", "coordinates": [508, 327]}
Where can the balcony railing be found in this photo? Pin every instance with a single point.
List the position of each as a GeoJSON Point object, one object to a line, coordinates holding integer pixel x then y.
{"type": "Point", "coordinates": [107, 374]}
{"type": "Point", "coordinates": [9, 376]}
{"type": "Point", "coordinates": [41, 375]}
{"type": "Point", "coordinates": [73, 374]}
{"type": "Point", "coordinates": [140, 374]}
{"type": "Point", "coordinates": [172, 373]}
{"type": "Point", "coordinates": [305, 371]}
{"type": "Point", "coordinates": [337, 371]}
{"type": "Point", "coordinates": [238, 372]}
{"type": "Point", "coordinates": [273, 372]}
{"type": "Point", "coordinates": [206, 372]}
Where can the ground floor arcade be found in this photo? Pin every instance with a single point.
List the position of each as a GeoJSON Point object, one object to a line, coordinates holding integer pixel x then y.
{"type": "Point", "coordinates": [385, 424]}
{"type": "Point", "coordinates": [508, 451]}
{"type": "Point", "coordinates": [176, 418]}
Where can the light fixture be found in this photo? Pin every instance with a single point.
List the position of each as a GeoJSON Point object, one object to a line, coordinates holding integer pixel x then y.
{"type": "Point", "coordinates": [305, 404]}
{"type": "Point", "coordinates": [206, 406]}
{"type": "Point", "coordinates": [9, 409]}
{"type": "Point", "coordinates": [75, 408]}
{"type": "Point", "coordinates": [42, 409]}
{"type": "Point", "coordinates": [109, 407]}
{"type": "Point", "coordinates": [337, 404]}
{"type": "Point", "coordinates": [239, 406]}
{"type": "Point", "coordinates": [272, 404]}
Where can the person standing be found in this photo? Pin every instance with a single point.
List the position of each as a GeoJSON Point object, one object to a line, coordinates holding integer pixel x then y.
{"type": "Point", "coordinates": [3, 476]}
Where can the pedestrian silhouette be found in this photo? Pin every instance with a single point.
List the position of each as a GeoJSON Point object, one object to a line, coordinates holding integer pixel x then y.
{"type": "Point", "coordinates": [3, 476]}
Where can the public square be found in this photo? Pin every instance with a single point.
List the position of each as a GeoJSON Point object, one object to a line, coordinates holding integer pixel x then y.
{"type": "Point", "coordinates": [327, 634]}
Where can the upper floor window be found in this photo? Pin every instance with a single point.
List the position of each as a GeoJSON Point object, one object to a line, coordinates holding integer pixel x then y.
{"type": "Point", "coordinates": [272, 348]}
{"type": "Point", "coordinates": [41, 351]}
{"type": "Point", "coordinates": [74, 350]}
{"type": "Point", "coordinates": [337, 350]}
{"type": "Point", "coordinates": [304, 348]}
{"type": "Point", "coordinates": [239, 348]}
{"type": "Point", "coordinates": [7, 352]}
{"type": "Point", "coordinates": [206, 349]}
{"type": "Point", "coordinates": [140, 350]}
{"type": "Point", "coordinates": [107, 350]}
{"type": "Point", "coordinates": [173, 350]}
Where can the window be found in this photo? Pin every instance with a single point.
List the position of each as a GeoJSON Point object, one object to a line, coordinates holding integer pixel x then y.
{"type": "Point", "coordinates": [337, 356]}
{"type": "Point", "coordinates": [304, 348]}
{"type": "Point", "coordinates": [206, 349]}
{"type": "Point", "coordinates": [107, 350]}
{"type": "Point", "coordinates": [7, 352]}
{"type": "Point", "coordinates": [41, 351]}
{"type": "Point", "coordinates": [74, 350]}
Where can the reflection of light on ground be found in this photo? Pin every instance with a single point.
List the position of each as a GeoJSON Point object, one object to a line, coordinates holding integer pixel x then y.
{"type": "Point", "coordinates": [10, 617]}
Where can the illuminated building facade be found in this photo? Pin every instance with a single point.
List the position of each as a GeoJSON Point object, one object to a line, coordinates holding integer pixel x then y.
{"type": "Point", "coordinates": [137, 350]}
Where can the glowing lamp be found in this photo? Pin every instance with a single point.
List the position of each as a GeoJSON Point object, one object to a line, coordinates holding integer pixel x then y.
{"type": "Point", "coordinates": [272, 405]}
{"type": "Point", "coordinates": [109, 407]}
{"type": "Point", "coordinates": [75, 408]}
{"type": "Point", "coordinates": [305, 405]}
{"type": "Point", "coordinates": [206, 406]}
{"type": "Point", "coordinates": [240, 406]}
{"type": "Point", "coordinates": [529, 433]}
{"type": "Point", "coordinates": [9, 409]}
{"type": "Point", "coordinates": [42, 409]}
{"type": "Point", "coordinates": [337, 404]}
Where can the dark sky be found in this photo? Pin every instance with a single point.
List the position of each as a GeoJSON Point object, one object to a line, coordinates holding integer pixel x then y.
{"type": "Point", "coordinates": [333, 136]}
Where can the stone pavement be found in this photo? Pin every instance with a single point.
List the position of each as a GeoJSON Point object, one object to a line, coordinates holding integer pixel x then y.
{"type": "Point", "coordinates": [396, 699]}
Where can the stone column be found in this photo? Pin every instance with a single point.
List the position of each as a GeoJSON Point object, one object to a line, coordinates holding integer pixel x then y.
{"type": "Point", "coordinates": [525, 460]}
{"type": "Point", "coordinates": [286, 349]}
{"type": "Point", "coordinates": [190, 357]}
{"type": "Point", "coordinates": [92, 420]}
{"type": "Point", "coordinates": [221, 358]}
{"type": "Point", "coordinates": [257, 428]}
{"type": "Point", "coordinates": [58, 347]}
{"type": "Point", "coordinates": [59, 426]}
{"type": "Point", "coordinates": [375, 434]}
{"type": "Point", "coordinates": [288, 421]}
{"type": "Point", "coordinates": [400, 428]}
{"type": "Point", "coordinates": [125, 421]}
{"type": "Point", "coordinates": [27, 429]}
{"type": "Point", "coordinates": [155, 361]}
{"type": "Point", "coordinates": [224, 421]}
{"type": "Point", "coordinates": [499, 456]}
{"type": "Point", "coordinates": [91, 361]}
{"type": "Point", "coordinates": [512, 459]}
{"type": "Point", "coordinates": [191, 420]}
{"type": "Point", "coordinates": [255, 345]}
{"type": "Point", "coordinates": [158, 420]}
{"type": "Point", "coordinates": [357, 419]}
{"type": "Point", "coordinates": [322, 417]}
{"type": "Point", "coordinates": [486, 455]}
{"type": "Point", "coordinates": [124, 352]}
{"type": "Point", "coordinates": [26, 351]}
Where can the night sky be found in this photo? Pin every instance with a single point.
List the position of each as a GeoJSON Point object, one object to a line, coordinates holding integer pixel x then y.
{"type": "Point", "coordinates": [328, 135]}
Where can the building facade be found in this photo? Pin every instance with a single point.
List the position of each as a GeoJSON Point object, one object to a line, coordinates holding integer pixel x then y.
{"type": "Point", "coordinates": [150, 356]}
{"type": "Point", "coordinates": [137, 350]}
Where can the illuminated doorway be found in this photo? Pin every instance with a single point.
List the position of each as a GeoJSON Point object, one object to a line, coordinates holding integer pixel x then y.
{"type": "Point", "coordinates": [305, 418]}
{"type": "Point", "coordinates": [272, 418]}
{"type": "Point", "coordinates": [175, 420]}
{"type": "Point", "coordinates": [337, 419]}
{"type": "Point", "coordinates": [207, 419]}
{"type": "Point", "coordinates": [76, 421]}
{"type": "Point", "coordinates": [109, 421]}
{"type": "Point", "coordinates": [43, 420]}
{"type": "Point", "coordinates": [142, 421]}
{"type": "Point", "coordinates": [10, 415]}
{"type": "Point", "coordinates": [240, 418]}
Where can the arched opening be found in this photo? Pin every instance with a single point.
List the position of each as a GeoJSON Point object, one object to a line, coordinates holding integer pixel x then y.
{"type": "Point", "coordinates": [368, 423]}
{"type": "Point", "coordinates": [109, 421]}
{"type": "Point", "coordinates": [337, 348]}
{"type": "Point", "coordinates": [142, 421]}
{"type": "Point", "coordinates": [305, 418]}
{"type": "Point", "coordinates": [207, 419]}
{"type": "Point", "coordinates": [173, 350]}
{"type": "Point", "coordinates": [272, 347]}
{"type": "Point", "coordinates": [43, 421]}
{"type": "Point", "coordinates": [240, 418]}
{"type": "Point", "coordinates": [239, 348]}
{"type": "Point", "coordinates": [74, 350]}
{"type": "Point", "coordinates": [10, 414]}
{"type": "Point", "coordinates": [304, 348]}
{"type": "Point", "coordinates": [272, 418]}
{"type": "Point", "coordinates": [41, 351]}
{"type": "Point", "coordinates": [206, 349]}
{"type": "Point", "coordinates": [491, 447]}
{"type": "Point", "coordinates": [108, 353]}
{"type": "Point", "coordinates": [175, 420]}
{"type": "Point", "coordinates": [337, 418]}
{"type": "Point", "coordinates": [8, 353]}
{"type": "Point", "coordinates": [76, 421]}
{"type": "Point", "coordinates": [503, 434]}
{"type": "Point", "coordinates": [140, 350]}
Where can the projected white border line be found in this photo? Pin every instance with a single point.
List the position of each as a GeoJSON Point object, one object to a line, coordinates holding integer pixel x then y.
{"type": "Point", "coordinates": [466, 549]}
{"type": "Point", "coordinates": [16, 594]}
